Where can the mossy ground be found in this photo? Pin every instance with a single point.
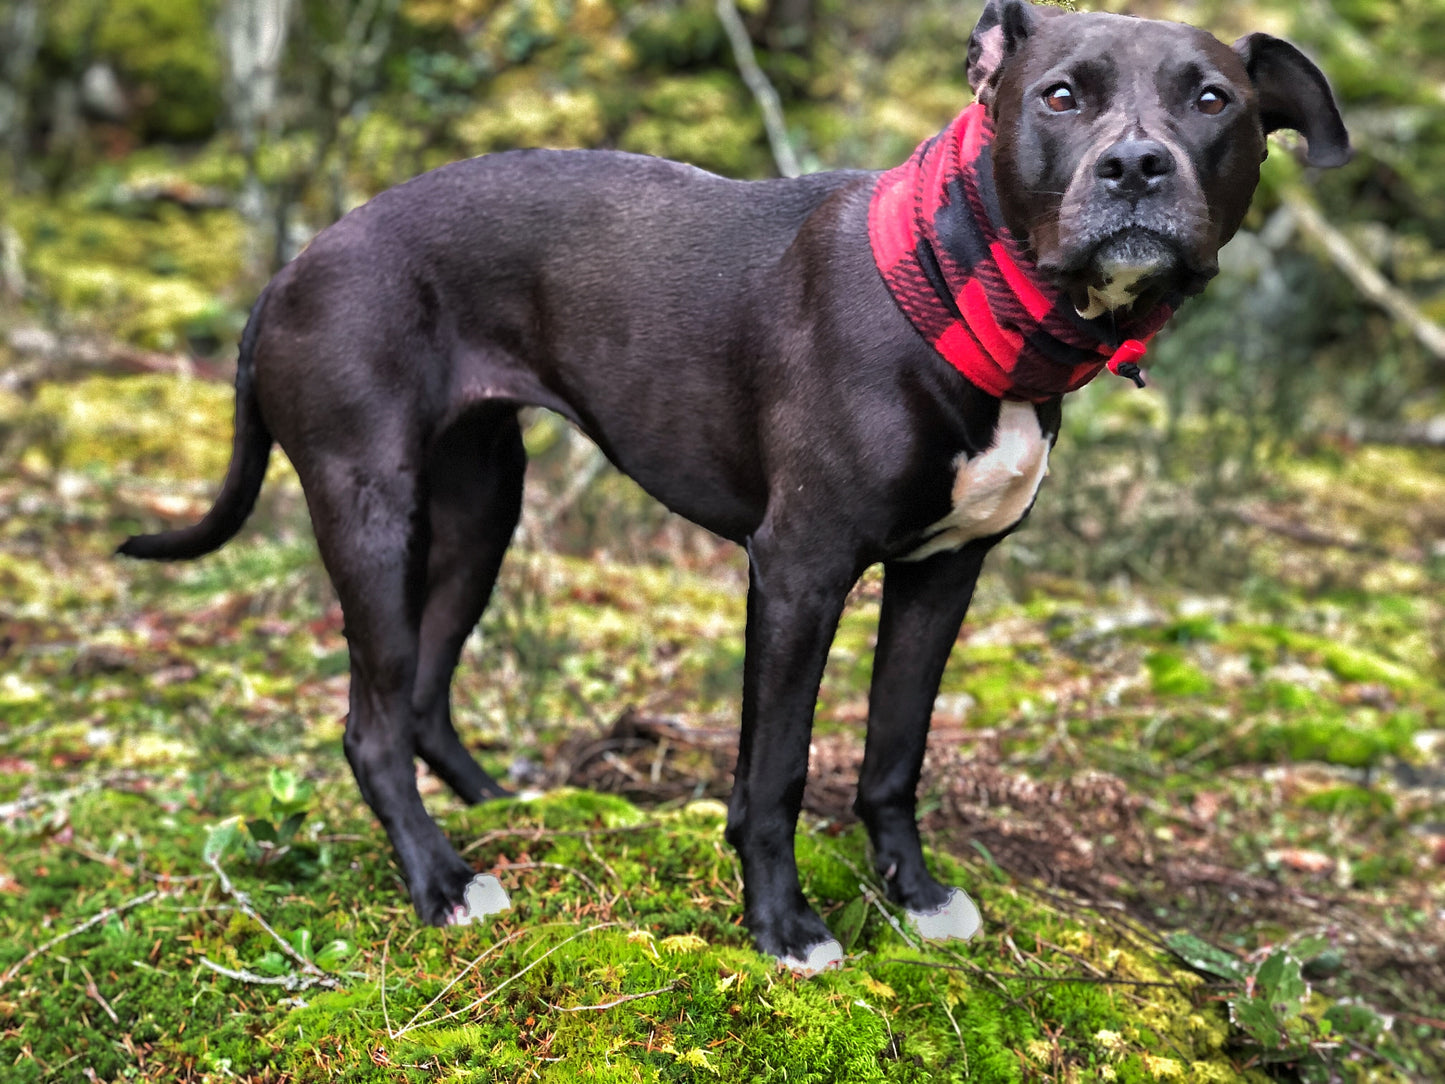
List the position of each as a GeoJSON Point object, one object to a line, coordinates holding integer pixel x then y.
{"type": "Point", "coordinates": [621, 960]}
{"type": "Point", "coordinates": [142, 705]}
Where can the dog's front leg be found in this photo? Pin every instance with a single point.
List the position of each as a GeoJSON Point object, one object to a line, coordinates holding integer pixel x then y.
{"type": "Point", "coordinates": [924, 604]}
{"type": "Point", "coordinates": [795, 596]}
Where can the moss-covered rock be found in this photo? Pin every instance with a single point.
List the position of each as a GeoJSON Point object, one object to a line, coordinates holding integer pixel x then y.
{"type": "Point", "coordinates": [145, 271]}
{"type": "Point", "coordinates": [165, 52]}
{"type": "Point", "coordinates": [707, 120]}
{"type": "Point", "coordinates": [522, 109]}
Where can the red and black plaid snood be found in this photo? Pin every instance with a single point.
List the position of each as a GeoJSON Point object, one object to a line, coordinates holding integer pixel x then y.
{"type": "Point", "coordinates": [973, 291]}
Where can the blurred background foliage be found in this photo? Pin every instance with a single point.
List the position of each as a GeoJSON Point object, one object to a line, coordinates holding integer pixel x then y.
{"type": "Point", "coordinates": [162, 157]}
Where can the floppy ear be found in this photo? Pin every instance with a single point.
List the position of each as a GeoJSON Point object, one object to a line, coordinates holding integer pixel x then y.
{"type": "Point", "coordinates": [1293, 94]}
{"type": "Point", "coordinates": [1001, 29]}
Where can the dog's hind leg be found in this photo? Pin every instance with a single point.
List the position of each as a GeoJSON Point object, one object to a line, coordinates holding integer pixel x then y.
{"type": "Point", "coordinates": [474, 498]}
{"type": "Point", "coordinates": [923, 606]}
{"type": "Point", "coordinates": [367, 506]}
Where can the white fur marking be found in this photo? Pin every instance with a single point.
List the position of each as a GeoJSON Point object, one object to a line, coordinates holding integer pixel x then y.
{"type": "Point", "coordinates": [824, 956]}
{"type": "Point", "coordinates": [992, 491]}
{"type": "Point", "coordinates": [957, 920]}
{"type": "Point", "coordinates": [1118, 292]}
{"type": "Point", "coordinates": [484, 896]}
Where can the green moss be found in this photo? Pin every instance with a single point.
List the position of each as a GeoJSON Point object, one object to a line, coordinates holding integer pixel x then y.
{"type": "Point", "coordinates": [164, 48]}
{"type": "Point", "coordinates": [153, 425]}
{"type": "Point", "coordinates": [523, 110]}
{"type": "Point", "coordinates": [1357, 739]}
{"type": "Point", "coordinates": [704, 119]}
{"type": "Point", "coordinates": [155, 275]}
{"type": "Point", "coordinates": [610, 904]}
{"type": "Point", "coordinates": [678, 36]}
{"type": "Point", "coordinates": [1173, 675]}
{"type": "Point", "coordinates": [1348, 661]}
{"type": "Point", "coordinates": [1347, 800]}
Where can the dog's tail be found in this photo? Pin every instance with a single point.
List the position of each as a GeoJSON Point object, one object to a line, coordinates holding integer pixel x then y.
{"type": "Point", "coordinates": [250, 451]}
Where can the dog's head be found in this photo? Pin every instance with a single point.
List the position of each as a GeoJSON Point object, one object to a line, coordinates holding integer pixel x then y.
{"type": "Point", "coordinates": [1127, 150]}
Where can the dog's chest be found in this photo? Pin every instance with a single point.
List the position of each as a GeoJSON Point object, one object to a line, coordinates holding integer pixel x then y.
{"type": "Point", "coordinates": [994, 489]}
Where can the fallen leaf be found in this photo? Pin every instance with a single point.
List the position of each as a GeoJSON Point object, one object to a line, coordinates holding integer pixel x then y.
{"type": "Point", "coordinates": [1301, 860]}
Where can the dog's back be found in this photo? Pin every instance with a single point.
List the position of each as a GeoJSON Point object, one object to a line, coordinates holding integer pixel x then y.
{"type": "Point", "coordinates": [537, 277]}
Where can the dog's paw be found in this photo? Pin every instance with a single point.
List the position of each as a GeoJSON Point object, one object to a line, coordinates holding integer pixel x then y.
{"type": "Point", "coordinates": [824, 956]}
{"type": "Point", "coordinates": [956, 920]}
{"type": "Point", "coordinates": [484, 895]}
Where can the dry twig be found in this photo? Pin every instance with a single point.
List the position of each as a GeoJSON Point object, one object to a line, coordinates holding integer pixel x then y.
{"type": "Point", "coordinates": [290, 982]}
{"type": "Point", "coordinates": [588, 881]}
{"type": "Point", "coordinates": [243, 904]}
{"type": "Point", "coordinates": [762, 90]}
{"type": "Point", "coordinates": [94, 920]}
{"type": "Point", "coordinates": [616, 1001]}
{"type": "Point", "coordinates": [1363, 274]}
{"type": "Point", "coordinates": [93, 992]}
{"type": "Point", "coordinates": [503, 943]}
{"type": "Point", "coordinates": [475, 1002]}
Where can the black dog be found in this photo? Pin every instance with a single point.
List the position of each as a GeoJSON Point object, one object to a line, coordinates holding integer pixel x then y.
{"type": "Point", "coordinates": [769, 359]}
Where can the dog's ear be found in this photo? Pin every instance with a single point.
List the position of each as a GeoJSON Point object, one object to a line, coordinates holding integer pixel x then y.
{"type": "Point", "coordinates": [1001, 30]}
{"type": "Point", "coordinates": [1293, 94]}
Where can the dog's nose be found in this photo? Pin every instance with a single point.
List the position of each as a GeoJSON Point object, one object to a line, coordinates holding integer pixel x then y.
{"type": "Point", "coordinates": [1134, 167]}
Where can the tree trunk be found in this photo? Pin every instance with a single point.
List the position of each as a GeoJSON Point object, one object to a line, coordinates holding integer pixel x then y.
{"type": "Point", "coordinates": [19, 41]}
{"type": "Point", "coordinates": [253, 40]}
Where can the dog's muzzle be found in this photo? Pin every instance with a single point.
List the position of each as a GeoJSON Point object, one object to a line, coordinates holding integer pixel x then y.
{"type": "Point", "coordinates": [1134, 221]}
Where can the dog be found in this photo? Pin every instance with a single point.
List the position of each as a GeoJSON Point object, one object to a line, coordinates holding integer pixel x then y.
{"type": "Point", "coordinates": [832, 371]}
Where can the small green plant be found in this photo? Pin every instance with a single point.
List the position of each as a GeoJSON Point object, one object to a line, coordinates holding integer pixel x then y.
{"type": "Point", "coordinates": [271, 835]}
{"type": "Point", "coordinates": [291, 801]}
{"type": "Point", "coordinates": [1269, 1003]}
{"type": "Point", "coordinates": [330, 957]}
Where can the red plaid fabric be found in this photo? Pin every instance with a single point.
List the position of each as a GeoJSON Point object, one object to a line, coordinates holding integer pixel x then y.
{"type": "Point", "coordinates": [972, 290]}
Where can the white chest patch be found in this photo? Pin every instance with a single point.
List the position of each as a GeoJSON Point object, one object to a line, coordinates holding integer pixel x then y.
{"type": "Point", "coordinates": [993, 490]}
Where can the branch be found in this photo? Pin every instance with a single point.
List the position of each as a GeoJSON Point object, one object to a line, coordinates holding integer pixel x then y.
{"type": "Point", "coordinates": [14, 969]}
{"type": "Point", "coordinates": [290, 982]}
{"type": "Point", "coordinates": [243, 904]}
{"type": "Point", "coordinates": [1426, 434]}
{"type": "Point", "coordinates": [615, 1001]}
{"type": "Point", "coordinates": [1364, 275]}
{"type": "Point", "coordinates": [41, 355]}
{"type": "Point", "coordinates": [757, 82]}
{"type": "Point", "coordinates": [1310, 536]}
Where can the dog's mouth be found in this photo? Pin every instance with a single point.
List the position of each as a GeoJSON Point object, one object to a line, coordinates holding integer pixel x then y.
{"type": "Point", "coordinates": [1131, 266]}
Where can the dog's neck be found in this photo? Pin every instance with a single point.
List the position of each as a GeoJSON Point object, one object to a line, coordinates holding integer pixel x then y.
{"type": "Point", "coordinates": [975, 293]}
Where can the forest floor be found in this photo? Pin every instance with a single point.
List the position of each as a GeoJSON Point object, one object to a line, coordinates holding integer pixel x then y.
{"type": "Point", "coordinates": [1207, 833]}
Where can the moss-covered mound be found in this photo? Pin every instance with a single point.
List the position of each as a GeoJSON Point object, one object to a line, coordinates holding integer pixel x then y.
{"type": "Point", "coordinates": [621, 960]}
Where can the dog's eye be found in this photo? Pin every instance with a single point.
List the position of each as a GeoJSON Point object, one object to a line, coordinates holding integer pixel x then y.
{"type": "Point", "coordinates": [1212, 101]}
{"type": "Point", "coordinates": [1060, 98]}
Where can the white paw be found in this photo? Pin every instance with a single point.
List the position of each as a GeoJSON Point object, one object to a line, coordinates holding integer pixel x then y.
{"type": "Point", "coordinates": [484, 896]}
{"type": "Point", "coordinates": [824, 956]}
{"type": "Point", "coordinates": [957, 920]}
